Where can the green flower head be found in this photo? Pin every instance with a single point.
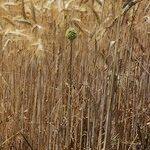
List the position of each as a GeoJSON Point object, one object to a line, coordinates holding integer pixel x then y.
{"type": "Point", "coordinates": [71, 34]}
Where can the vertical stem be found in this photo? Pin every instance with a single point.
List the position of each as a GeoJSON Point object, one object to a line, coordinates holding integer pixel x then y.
{"type": "Point", "coordinates": [33, 12]}
{"type": "Point", "coordinates": [107, 140]}
{"type": "Point", "coordinates": [70, 71]}
{"type": "Point", "coordinates": [23, 9]}
{"type": "Point", "coordinates": [69, 129]}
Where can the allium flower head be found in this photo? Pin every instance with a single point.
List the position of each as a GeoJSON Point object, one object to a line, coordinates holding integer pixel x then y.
{"type": "Point", "coordinates": [71, 33]}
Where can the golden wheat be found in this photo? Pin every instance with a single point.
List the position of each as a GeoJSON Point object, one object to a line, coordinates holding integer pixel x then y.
{"type": "Point", "coordinates": [92, 92]}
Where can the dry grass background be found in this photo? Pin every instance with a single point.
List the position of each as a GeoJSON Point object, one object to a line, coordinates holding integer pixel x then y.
{"type": "Point", "coordinates": [110, 71]}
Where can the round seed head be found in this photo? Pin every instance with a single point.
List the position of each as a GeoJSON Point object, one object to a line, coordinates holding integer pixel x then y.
{"type": "Point", "coordinates": [71, 33]}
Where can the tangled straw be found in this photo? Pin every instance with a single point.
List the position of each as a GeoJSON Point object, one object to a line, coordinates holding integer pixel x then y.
{"type": "Point", "coordinates": [71, 34]}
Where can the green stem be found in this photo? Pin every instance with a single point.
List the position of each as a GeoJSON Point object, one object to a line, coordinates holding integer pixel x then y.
{"type": "Point", "coordinates": [69, 130]}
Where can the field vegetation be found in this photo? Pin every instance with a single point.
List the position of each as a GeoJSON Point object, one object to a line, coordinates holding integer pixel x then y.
{"type": "Point", "coordinates": [88, 93]}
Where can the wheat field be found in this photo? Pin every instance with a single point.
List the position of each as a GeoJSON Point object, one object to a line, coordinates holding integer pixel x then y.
{"type": "Point", "coordinates": [88, 93]}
